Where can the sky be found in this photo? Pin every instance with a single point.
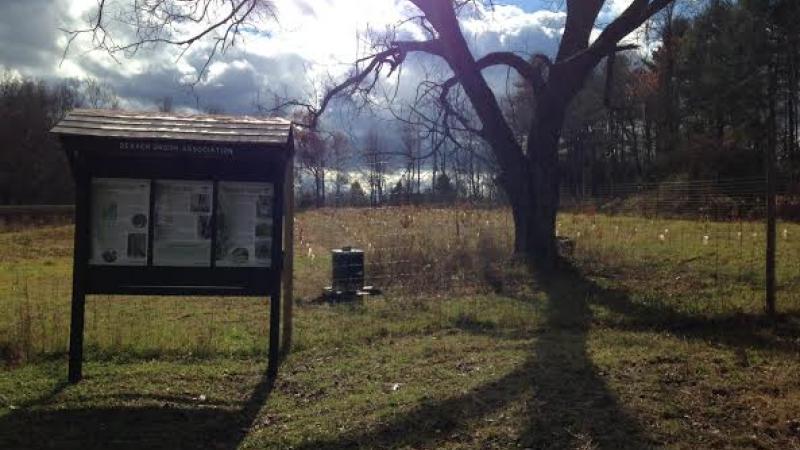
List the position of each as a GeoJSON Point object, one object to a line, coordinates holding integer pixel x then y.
{"type": "Point", "coordinates": [311, 43]}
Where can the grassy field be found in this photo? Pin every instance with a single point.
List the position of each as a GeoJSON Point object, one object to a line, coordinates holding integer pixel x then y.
{"type": "Point", "coordinates": [653, 339]}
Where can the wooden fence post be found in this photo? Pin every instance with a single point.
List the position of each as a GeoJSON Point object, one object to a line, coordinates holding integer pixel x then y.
{"type": "Point", "coordinates": [769, 305]}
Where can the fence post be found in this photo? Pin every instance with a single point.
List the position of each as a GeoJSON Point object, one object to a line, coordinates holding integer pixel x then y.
{"type": "Point", "coordinates": [770, 263]}
{"type": "Point", "coordinates": [769, 305]}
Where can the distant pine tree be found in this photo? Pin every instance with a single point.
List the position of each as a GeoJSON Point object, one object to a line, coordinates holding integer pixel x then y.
{"type": "Point", "coordinates": [357, 195]}
{"type": "Point", "coordinates": [444, 189]}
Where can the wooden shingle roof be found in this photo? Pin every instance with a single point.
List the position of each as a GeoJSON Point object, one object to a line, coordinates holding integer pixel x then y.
{"type": "Point", "coordinates": [157, 126]}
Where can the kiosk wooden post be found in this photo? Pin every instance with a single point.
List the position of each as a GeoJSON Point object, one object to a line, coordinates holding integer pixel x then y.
{"type": "Point", "coordinates": [178, 205]}
{"type": "Point", "coordinates": [80, 253]}
{"type": "Point", "coordinates": [288, 253]}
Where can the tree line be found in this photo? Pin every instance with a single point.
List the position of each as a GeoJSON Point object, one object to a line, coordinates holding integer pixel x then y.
{"type": "Point", "coordinates": [719, 90]}
{"type": "Point", "coordinates": [33, 169]}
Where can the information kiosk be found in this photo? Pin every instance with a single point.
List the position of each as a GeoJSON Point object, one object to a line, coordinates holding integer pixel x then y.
{"type": "Point", "coordinates": [178, 205]}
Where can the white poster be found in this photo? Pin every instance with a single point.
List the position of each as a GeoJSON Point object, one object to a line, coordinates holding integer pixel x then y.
{"type": "Point", "coordinates": [182, 234]}
{"type": "Point", "coordinates": [244, 224]}
{"type": "Point", "coordinates": [119, 219]}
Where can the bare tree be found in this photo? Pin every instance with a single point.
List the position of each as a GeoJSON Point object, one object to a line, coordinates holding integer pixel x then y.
{"type": "Point", "coordinates": [528, 173]}
{"type": "Point", "coordinates": [472, 168]}
{"type": "Point", "coordinates": [312, 153]}
{"type": "Point", "coordinates": [213, 109]}
{"type": "Point", "coordinates": [377, 164]}
{"type": "Point", "coordinates": [164, 104]}
{"type": "Point", "coordinates": [97, 95]}
{"type": "Point", "coordinates": [412, 152]}
{"type": "Point", "coordinates": [340, 154]}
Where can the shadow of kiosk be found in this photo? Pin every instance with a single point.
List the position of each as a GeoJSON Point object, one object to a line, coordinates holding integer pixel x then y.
{"type": "Point", "coordinates": [180, 205]}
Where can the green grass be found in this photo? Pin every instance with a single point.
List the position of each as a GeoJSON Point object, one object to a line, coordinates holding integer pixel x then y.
{"type": "Point", "coordinates": [700, 267]}
{"type": "Point", "coordinates": [649, 343]}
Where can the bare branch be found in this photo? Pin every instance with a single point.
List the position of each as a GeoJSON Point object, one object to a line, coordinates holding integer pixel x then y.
{"type": "Point", "coordinates": [450, 111]}
{"type": "Point", "coordinates": [155, 22]}
{"type": "Point", "coordinates": [392, 57]}
{"type": "Point", "coordinates": [534, 73]}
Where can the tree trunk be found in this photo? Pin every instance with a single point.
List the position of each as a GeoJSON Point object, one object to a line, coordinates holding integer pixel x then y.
{"type": "Point", "coordinates": [534, 208]}
{"type": "Point", "coordinates": [534, 190]}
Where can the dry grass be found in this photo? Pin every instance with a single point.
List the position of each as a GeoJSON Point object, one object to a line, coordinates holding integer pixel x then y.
{"type": "Point", "coordinates": [701, 269]}
{"type": "Point", "coordinates": [409, 249]}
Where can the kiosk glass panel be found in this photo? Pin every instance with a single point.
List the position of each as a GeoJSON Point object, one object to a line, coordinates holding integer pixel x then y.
{"type": "Point", "coordinates": [182, 235]}
{"type": "Point", "coordinates": [244, 224]}
{"type": "Point", "coordinates": [120, 210]}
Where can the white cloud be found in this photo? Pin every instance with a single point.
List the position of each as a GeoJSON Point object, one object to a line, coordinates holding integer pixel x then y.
{"type": "Point", "coordinates": [311, 41]}
{"type": "Point", "coordinates": [615, 7]}
{"type": "Point", "coordinates": [611, 10]}
{"type": "Point", "coordinates": [509, 24]}
{"type": "Point", "coordinates": [325, 33]}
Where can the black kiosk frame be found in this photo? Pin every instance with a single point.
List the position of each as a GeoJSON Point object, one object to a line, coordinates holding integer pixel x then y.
{"type": "Point", "coordinates": [164, 204]}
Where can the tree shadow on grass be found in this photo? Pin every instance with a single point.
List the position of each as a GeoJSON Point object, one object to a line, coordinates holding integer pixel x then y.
{"type": "Point", "coordinates": [736, 331]}
{"type": "Point", "coordinates": [178, 423]}
{"type": "Point", "coordinates": [567, 402]}
{"type": "Point", "coordinates": [572, 403]}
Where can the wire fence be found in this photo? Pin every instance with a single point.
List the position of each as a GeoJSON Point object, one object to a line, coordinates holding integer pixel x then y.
{"type": "Point", "coordinates": [710, 231]}
{"type": "Point", "coordinates": [693, 248]}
